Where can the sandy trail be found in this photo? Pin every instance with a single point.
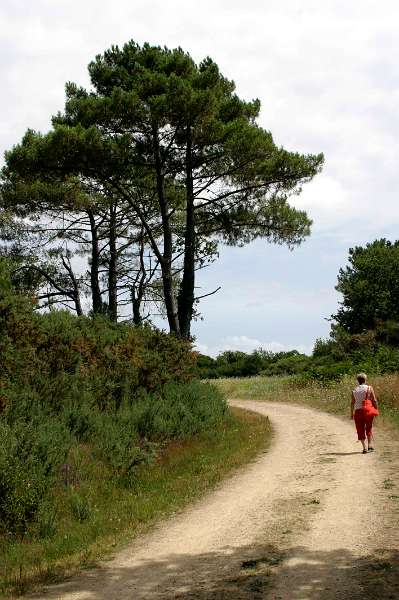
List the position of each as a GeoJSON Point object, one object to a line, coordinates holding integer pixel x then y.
{"type": "Point", "coordinates": [302, 522]}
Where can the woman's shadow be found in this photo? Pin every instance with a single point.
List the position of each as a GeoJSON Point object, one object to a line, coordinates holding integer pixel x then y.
{"type": "Point", "coordinates": [339, 453]}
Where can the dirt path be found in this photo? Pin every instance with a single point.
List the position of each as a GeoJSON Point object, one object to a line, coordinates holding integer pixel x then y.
{"type": "Point", "coordinates": [303, 522]}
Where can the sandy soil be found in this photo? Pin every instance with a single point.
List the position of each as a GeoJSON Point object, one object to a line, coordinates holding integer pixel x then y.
{"type": "Point", "coordinates": [305, 521]}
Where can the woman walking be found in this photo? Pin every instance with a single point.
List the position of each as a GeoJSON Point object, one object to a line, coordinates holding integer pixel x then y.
{"type": "Point", "coordinates": [364, 407]}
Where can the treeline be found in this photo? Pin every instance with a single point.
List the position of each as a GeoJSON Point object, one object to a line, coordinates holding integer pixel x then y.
{"type": "Point", "coordinates": [71, 385]}
{"type": "Point", "coordinates": [259, 362]}
{"type": "Point", "coordinates": [330, 360]}
{"type": "Point", "coordinates": [364, 331]}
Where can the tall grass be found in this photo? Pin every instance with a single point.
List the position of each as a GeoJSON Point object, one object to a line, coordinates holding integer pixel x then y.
{"type": "Point", "coordinates": [331, 397]}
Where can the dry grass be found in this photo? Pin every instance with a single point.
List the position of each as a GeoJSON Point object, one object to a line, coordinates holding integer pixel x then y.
{"type": "Point", "coordinates": [333, 398]}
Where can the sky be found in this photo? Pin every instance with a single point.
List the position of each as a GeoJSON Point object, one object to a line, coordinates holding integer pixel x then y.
{"type": "Point", "coordinates": [326, 74]}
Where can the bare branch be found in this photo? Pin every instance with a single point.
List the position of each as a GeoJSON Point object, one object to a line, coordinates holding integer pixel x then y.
{"type": "Point", "coordinates": [210, 294]}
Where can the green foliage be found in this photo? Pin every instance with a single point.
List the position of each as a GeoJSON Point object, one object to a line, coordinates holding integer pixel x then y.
{"type": "Point", "coordinates": [182, 411]}
{"type": "Point", "coordinates": [287, 363]}
{"type": "Point", "coordinates": [156, 132]}
{"type": "Point", "coordinates": [184, 471]}
{"type": "Point", "coordinates": [47, 517]}
{"type": "Point", "coordinates": [54, 361]}
{"type": "Point", "coordinates": [324, 348]}
{"type": "Point", "coordinates": [69, 383]}
{"type": "Point", "coordinates": [30, 456]}
{"type": "Point", "coordinates": [229, 364]}
{"type": "Point", "coordinates": [331, 359]}
{"type": "Point", "coordinates": [324, 374]}
{"type": "Point", "coordinates": [365, 331]}
{"type": "Point", "coordinates": [370, 289]}
{"type": "Point", "coordinates": [80, 506]}
{"type": "Point", "coordinates": [117, 439]}
{"type": "Point", "coordinates": [240, 364]}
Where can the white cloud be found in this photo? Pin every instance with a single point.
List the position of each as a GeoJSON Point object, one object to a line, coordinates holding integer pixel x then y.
{"type": "Point", "coordinates": [246, 344]}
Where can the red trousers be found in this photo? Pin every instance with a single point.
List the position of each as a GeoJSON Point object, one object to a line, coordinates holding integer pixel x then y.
{"type": "Point", "coordinates": [364, 424]}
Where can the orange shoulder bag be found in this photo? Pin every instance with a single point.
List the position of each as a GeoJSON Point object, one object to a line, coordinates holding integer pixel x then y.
{"type": "Point", "coordinates": [368, 407]}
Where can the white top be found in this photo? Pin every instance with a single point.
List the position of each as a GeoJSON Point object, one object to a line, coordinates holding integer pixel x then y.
{"type": "Point", "coordinates": [360, 394]}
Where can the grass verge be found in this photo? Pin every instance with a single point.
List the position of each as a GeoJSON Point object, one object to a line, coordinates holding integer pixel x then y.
{"type": "Point", "coordinates": [94, 518]}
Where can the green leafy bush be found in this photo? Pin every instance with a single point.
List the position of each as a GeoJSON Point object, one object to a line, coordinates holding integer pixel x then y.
{"type": "Point", "coordinates": [50, 360]}
{"type": "Point", "coordinates": [118, 442]}
{"type": "Point", "coordinates": [258, 362]}
{"type": "Point", "coordinates": [181, 411]}
{"type": "Point", "coordinates": [30, 456]}
{"type": "Point", "coordinates": [324, 374]}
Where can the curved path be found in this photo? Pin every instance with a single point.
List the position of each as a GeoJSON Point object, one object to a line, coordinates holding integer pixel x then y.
{"type": "Point", "coordinates": [302, 522]}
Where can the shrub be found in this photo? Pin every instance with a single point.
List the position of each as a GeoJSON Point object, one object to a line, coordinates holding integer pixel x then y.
{"type": "Point", "coordinates": [57, 358]}
{"type": "Point", "coordinates": [118, 442]}
{"type": "Point", "coordinates": [323, 374]}
{"type": "Point", "coordinates": [181, 411]}
{"type": "Point", "coordinates": [30, 457]}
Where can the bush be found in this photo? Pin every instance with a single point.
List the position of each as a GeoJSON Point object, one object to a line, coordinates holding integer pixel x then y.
{"type": "Point", "coordinates": [57, 358]}
{"type": "Point", "coordinates": [324, 374]}
{"type": "Point", "coordinates": [116, 437]}
{"type": "Point", "coordinates": [33, 448]}
{"type": "Point", "coordinates": [30, 456]}
{"type": "Point", "coordinates": [182, 410]}
{"type": "Point", "coordinates": [259, 362]}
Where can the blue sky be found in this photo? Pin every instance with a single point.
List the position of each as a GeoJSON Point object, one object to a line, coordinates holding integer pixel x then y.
{"type": "Point", "coordinates": [327, 77]}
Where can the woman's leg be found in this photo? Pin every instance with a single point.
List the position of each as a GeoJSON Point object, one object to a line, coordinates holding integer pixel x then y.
{"type": "Point", "coordinates": [361, 427]}
{"type": "Point", "coordinates": [369, 431]}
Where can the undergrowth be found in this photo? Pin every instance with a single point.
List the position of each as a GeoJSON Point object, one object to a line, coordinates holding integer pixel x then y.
{"type": "Point", "coordinates": [89, 516]}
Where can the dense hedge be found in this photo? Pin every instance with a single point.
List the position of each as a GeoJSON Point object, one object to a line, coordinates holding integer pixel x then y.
{"type": "Point", "coordinates": [56, 357]}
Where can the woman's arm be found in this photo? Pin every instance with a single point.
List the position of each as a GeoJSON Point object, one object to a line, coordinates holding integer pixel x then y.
{"type": "Point", "coordinates": [352, 405]}
{"type": "Point", "coordinates": [373, 398]}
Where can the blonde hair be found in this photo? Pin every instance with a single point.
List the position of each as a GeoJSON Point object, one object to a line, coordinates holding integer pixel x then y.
{"type": "Point", "coordinates": [361, 377]}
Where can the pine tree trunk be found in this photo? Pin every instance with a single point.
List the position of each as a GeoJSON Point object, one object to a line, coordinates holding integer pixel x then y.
{"type": "Point", "coordinates": [74, 294]}
{"type": "Point", "coordinates": [166, 263]}
{"type": "Point", "coordinates": [112, 267]}
{"type": "Point", "coordinates": [95, 266]}
{"type": "Point", "coordinates": [136, 308]}
{"type": "Point", "coordinates": [138, 290]}
{"type": "Point", "coordinates": [186, 292]}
